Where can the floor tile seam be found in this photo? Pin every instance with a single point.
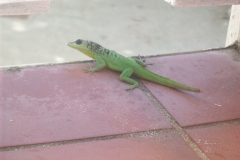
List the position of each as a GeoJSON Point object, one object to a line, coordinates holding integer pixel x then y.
{"type": "Point", "coordinates": [176, 126]}
{"type": "Point", "coordinates": [232, 46]}
{"type": "Point", "coordinates": [90, 139]}
{"type": "Point", "coordinates": [32, 65]}
{"type": "Point", "coordinates": [22, 66]}
{"type": "Point", "coordinates": [213, 124]}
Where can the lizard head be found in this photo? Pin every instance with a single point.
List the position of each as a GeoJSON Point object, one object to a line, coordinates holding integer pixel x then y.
{"type": "Point", "coordinates": [83, 46]}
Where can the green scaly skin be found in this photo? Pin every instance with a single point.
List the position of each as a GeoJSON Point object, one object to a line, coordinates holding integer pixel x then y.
{"type": "Point", "coordinates": [128, 66]}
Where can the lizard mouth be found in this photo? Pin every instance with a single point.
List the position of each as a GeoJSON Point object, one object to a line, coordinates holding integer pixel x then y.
{"type": "Point", "coordinates": [70, 44]}
{"type": "Point", "coordinates": [77, 42]}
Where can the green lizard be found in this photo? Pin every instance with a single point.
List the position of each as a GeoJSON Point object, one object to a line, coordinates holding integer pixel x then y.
{"type": "Point", "coordinates": [128, 66]}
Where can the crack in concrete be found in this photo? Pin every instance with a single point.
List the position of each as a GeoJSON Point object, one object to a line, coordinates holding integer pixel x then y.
{"type": "Point", "coordinates": [90, 139]}
{"type": "Point", "coordinates": [176, 126]}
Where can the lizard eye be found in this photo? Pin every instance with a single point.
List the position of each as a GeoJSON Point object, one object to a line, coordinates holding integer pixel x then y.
{"type": "Point", "coordinates": [79, 41]}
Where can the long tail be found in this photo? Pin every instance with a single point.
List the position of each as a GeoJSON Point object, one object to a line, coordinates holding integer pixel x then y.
{"type": "Point", "coordinates": [150, 76]}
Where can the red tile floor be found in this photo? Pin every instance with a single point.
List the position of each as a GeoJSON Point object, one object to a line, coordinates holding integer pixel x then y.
{"type": "Point", "coordinates": [60, 112]}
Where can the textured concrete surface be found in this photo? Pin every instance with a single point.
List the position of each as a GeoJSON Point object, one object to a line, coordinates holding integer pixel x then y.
{"type": "Point", "coordinates": [59, 111]}
{"type": "Point", "coordinates": [216, 73]}
{"type": "Point", "coordinates": [219, 141]}
{"type": "Point", "coordinates": [130, 27]}
{"type": "Point", "coordinates": [91, 107]}
{"type": "Point", "coordinates": [157, 146]}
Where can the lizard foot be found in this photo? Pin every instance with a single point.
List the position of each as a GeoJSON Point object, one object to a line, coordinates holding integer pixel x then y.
{"type": "Point", "coordinates": [144, 60]}
{"type": "Point", "coordinates": [133, 87]}
{"type": "Point", "coordinates": [130, 88]}
{"type": "Point", "coordinates": [89, 70]}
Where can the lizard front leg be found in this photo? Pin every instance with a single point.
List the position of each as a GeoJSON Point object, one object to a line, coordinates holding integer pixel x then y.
{"type": "Point", "coordinates": [125, 77]}
{"type": "Point", "coordinates": [101, 64]}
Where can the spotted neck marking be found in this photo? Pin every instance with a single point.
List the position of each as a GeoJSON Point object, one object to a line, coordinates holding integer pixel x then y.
{"type": "Point", "coordinates": [97, 49]}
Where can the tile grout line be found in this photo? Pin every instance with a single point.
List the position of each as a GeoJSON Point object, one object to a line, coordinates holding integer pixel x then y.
{"type": "Point", "coordinates": [21, 66]}
{"type": "Point", "coordinates": [90, 139]}
{"type": "Point", "coordinates": [211, 124]}
{"type": "Point", "coordinates": [109, 137]}
{"type": "Point", "coordinates": [174, 123]}
{"type": "Point", "coordinates": [176, 128]}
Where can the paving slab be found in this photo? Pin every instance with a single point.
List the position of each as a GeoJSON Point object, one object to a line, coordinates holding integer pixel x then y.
{"type": "Point", "coordinates": [215, 72]}
{"type": "Point", "coordinates": [219, 142]}
{"type": "Point", "coordinates": [169, 146]}
{"type": "Point", "coordinates": [67, 113]}
{"type": "Point", "coordinates": [61, 102]}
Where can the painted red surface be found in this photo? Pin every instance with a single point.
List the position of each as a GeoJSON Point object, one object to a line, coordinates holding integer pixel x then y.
{"type": "Point", "coordinates": [54, 103]}
{"type": "Point", "coordinates": [163, 146]}
{"type": "Point", "coordinates": [219, 142]}
{"type": "Point", "coordinates": [215, 73]}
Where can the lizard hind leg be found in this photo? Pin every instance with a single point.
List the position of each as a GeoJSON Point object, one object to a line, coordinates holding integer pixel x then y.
{"type": "Point", "coordinates": [140, 62]}
{"type": "Point", "coordinates": [125, 77]}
